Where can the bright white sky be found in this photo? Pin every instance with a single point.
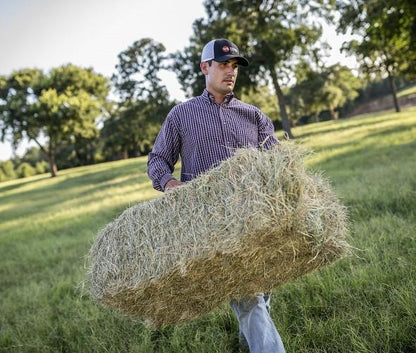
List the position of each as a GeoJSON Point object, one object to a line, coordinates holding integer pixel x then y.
{"type": "Point", "coordinates": [91, 33]}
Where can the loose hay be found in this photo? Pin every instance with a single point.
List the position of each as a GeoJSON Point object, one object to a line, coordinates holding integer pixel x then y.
{"type": "Point", "coordinates": [256, 221]}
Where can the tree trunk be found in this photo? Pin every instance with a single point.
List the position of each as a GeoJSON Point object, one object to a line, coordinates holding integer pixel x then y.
{"type": "Point", "coordinates": [50, 155]}
{"type": "Point", "coordinates": [394, 92]}
{"type": "Point", "coordinates": [333, 113]}
{"type": "Point", "coordinates": [52, 165]}
{"type": "Point", "coordinates": [282, 103]}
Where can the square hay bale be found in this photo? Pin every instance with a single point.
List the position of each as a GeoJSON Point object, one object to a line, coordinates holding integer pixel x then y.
{"type": "Point", "coordinates": [256, 221]}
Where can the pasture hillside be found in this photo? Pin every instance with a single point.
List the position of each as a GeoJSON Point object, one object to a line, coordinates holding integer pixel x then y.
{"type": "Point", "coordinates": [365, 303]}
{"type": "Point", "coordinates": [406, 98]}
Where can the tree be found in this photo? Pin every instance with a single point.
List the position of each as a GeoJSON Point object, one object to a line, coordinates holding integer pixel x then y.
{"type": "Point", "coordinates": [137, 71]}
{"type": "Point", "coordinates": [25, 170]}
{"type": "Point", "coordinates": [7, 170]}
{"type": "Point", "coordinates": [388, 35]}
{"type": "Point", "coordinates": [326, 89]}
{"type": "Point", "coordinates": [59, 107]}
{"type": "Point", "coordinates": [143, 101]}
{"type": "Point", "coordinates": [269, 32]}
{"type": "Point", "coordinates": [35, 158]}
{"type": "Point", "coordinates": [340, 87]}
{"type": "Point", "coordinates": [263, 97]}
{"type": "Point", "coordinates": [306, 96]}
{"type": "Point", "coordinates": [131, 128]}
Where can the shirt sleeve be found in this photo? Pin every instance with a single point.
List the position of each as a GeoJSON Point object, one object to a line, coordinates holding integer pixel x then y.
{"type": "Point", "coordinates": [266, 137]}
{"type": "Point", "coordinates": [164, 155]}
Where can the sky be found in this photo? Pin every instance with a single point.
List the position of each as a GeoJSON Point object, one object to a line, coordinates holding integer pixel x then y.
{"type": "Point", "coordinates": [91, 33]}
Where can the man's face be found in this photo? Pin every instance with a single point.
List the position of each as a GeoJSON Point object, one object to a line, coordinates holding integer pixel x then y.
{"type": "Point", "coordinates": [220, 76]}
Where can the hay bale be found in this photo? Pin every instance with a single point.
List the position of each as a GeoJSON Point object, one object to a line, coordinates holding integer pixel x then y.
{"type": "Point", "coordinates": [256, 221]}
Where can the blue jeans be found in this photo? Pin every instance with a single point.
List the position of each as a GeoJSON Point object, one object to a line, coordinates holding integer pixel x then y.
{"type": "Point", "coordinates": [257, 330]}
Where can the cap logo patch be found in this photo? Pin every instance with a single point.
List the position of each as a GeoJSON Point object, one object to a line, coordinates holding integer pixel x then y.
{"type": "Point", "coordinates": [225, 49]}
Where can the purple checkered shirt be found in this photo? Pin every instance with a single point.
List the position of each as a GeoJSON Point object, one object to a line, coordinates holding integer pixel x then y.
{"type": "Point", "coordinates": [204, 133]}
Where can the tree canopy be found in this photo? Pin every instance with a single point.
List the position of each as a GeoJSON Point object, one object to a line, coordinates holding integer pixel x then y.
{"type": "Point", "coordinates": [286, 78]}
{"type": "Point", "coordinates": [57, 107]}
{"type": "Point", "coordinates": [269, 32]}
{"type": "Point", "coordinates": [137, 71]}
{"type": "Point", "coordinates": [323, 89]}
{"type": "Point", "coordinates": [143, 101]}
{"type": "Point", "coordinates": [387, 36]}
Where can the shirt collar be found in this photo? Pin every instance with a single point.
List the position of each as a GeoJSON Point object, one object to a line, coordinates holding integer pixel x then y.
{"type": "Point", "coordinates": [211, 97]}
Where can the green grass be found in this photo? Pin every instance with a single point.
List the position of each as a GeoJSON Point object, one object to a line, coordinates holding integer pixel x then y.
{"type": "Point", "coordinates": [407, 91]}
{"type": "Point", "coordinates": [366, 303]}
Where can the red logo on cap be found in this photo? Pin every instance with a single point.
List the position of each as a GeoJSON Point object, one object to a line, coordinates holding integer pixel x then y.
{"type": "Point", "coordinates": [225, 49]}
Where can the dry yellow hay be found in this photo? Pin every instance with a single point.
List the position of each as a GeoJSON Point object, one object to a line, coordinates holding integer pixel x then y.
{"type": "Point", "coordinates": [256, 221]}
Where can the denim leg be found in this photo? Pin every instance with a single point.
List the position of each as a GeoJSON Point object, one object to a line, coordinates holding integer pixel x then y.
{"type": "Point", "coordinates": [256, 325]}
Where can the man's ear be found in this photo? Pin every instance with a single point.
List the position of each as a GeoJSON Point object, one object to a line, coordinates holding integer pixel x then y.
{"type": "Point", "coordinates": [204, 67]}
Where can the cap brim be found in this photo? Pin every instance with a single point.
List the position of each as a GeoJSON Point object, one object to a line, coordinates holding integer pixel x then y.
{"type": "Point", "coordinates": [240, 60]}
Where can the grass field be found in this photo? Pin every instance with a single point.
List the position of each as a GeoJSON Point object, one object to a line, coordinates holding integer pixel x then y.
{"type": "Point", "coordinates": [407, 91]}
{"type": "Point", "coordinates": [366, 303]}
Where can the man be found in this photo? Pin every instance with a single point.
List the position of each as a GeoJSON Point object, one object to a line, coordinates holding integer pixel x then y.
{"type": "Point", "coordinates": [204, 131]}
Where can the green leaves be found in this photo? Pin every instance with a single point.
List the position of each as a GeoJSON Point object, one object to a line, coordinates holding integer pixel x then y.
{"type": "Point", "coordinates": [270, 33]}
{"type": "Point", "coordinates": [143, 101]}
{"type": "Point", "coordinates": [137, 71]}
{"type": "Point", "coordinates": [326, 89]}
{"type": "Point", "coordinates": [60, 106]}
{"type": "Point", "coordinates": [388, 32]}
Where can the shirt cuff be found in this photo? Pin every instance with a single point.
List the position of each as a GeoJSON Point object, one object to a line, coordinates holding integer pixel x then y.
{"type": "Point", "coordinates": [164, 180]}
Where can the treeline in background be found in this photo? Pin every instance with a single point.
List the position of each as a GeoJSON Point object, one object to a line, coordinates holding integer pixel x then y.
{"type": "Point", "coordinates": [78, 117]}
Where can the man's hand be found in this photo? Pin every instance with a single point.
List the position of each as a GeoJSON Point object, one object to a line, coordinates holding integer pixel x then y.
{"type": "Point", "coordinates": [173, 183]}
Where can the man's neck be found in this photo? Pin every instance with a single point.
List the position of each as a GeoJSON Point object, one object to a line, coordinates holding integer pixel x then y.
{"type": "Point", "coordinates": [218, 97]}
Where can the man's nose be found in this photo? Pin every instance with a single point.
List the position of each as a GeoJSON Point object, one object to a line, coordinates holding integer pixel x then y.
{"type": "Point", "coordinates": [231, 69]}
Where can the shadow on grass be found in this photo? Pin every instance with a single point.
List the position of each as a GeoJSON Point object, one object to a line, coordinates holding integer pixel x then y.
{"type": "Point", "coordinates": [361, 121]}
{"type": "Point", "coordinates": [67, 187]}
{"type": "Point", "coordinates": [364, 155]}
{"type": "Point", "coordinates": [389, 131]}
{"type": "Point", "coordinates": [346, 124]}
{"type": "Point", "coordinates": [378, 188]}
{"type": "Point", "coordinates": [20, 183]}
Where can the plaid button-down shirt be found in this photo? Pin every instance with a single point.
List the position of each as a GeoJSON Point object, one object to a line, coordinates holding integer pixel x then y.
{"type": "Point", "coordinates": [204, 133]}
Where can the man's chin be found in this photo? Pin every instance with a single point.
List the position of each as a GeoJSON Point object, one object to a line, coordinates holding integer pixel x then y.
{"type": "Point", "coordinates": [229, 89]}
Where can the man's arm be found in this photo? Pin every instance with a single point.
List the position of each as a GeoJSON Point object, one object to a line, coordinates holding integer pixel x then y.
{"type": "Point", "coordinates": [164, 155]}
{"type": "Point", "coordinates": [266, 137]}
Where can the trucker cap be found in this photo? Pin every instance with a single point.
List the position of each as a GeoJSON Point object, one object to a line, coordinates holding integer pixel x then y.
{"type": "Point", "coordinates": [222, 50]}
